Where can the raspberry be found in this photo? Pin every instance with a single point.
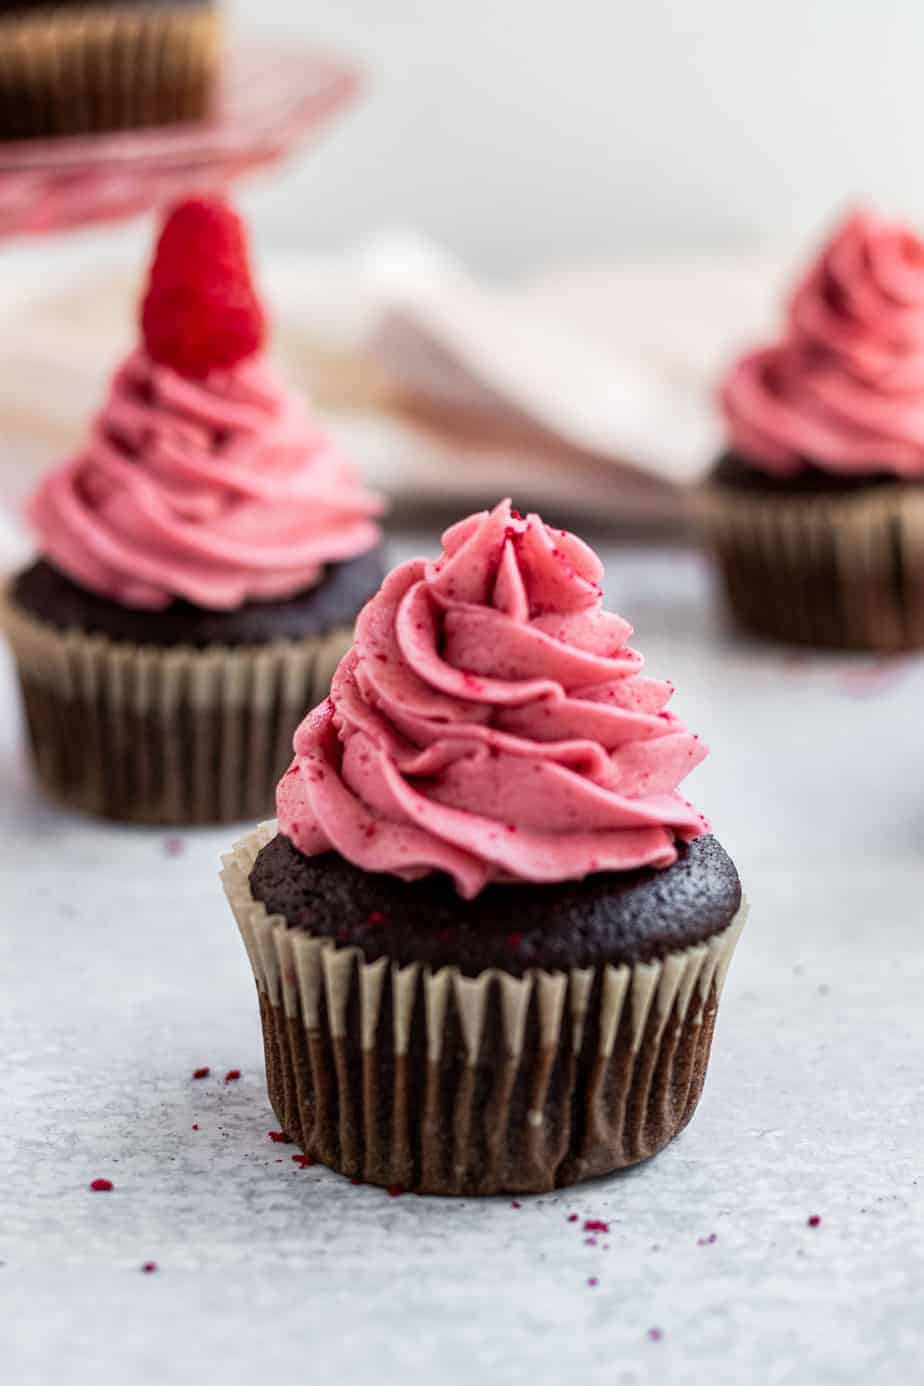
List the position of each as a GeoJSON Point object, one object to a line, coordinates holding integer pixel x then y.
{"type": "Point", "coordinates": [201, 312]}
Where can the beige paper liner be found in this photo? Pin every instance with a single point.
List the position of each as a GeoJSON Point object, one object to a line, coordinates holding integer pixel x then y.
{"type": "Point", "coordinates": [149, 734]}
{"type": "Point", "coordinates": [842, 572]}
{"type": "Point", "coordinates": [449, 1084]}
{"type": "Point", "coordinates": [74, 72]}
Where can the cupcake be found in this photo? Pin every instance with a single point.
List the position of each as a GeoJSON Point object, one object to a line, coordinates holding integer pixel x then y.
{"type": "Point", "coordinates": [203, 559]}
{"type": "Point", "coordinates": [489, 935]}
{"type": "Point", "coordinates": [71, 67]}
{"type": "Point", "coordinates": [816, 510]}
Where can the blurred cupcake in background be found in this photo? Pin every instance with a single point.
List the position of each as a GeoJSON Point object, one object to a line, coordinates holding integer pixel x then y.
{"type": "Point", "coordinates": [202, 559]}
{"type": "Point", "coordinates": [71, 67]}
{"type": "Point", "coordinates": [816, 510]}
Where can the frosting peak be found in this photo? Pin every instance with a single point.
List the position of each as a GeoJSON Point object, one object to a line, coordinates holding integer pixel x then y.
{"type": "Point", "coordinates": [491, 722]}
{"type": "Point", "coordinates": [844, 387]}
{"type": "Point", "coordinates": [217, 490]}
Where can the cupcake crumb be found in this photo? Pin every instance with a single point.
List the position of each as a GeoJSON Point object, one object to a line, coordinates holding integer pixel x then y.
{"type": "Point", "coordinates": [202, 1072]}
{"type": "Point", "coordinates": [596, 1225]}
{"type": "Point", "coordinates": [232, 1075]}
{"type": "Point", "coordinates": [813, 1221]}
{"type": "Point", "coordinates": [101, 1185]}
{"type": "Point", "coordinates": [303, 1161]}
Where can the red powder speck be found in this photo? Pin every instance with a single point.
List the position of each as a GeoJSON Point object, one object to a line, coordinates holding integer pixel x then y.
{"type": "Point", "coordinates": [376, 918]}
{"type": "Point", "coordinates": [595, 1225]}
{"type": "Point", "coordinates": [201, 1072]}
{"type": "Point", "coordinates": [195, 1126]}
{"type": "Point", "coordinates": [382, 659]}
{"type": "Point", "coordinates": [511, 827]}
{"type": "Point", "coordinates": [515, 1203]}
{"type": "Point", "coordinates": [592, 1281]}
{"type": "Point", "coordinates": [232, 1075]}
{"type": "Point", "coordinates": [572, 1217]}
{"type": "Point", "coordinates": [102, 1185]}
{"type": "Point", "coordinates": [303, 1161]}
{"type": "Point", "coordinates": [149, 1267]}
{"type": "Point", "coordinates": [814, 1220]}
{"type": "Point", "coordinates": [279, 1138]}
{"type": "Point", "coordinates": [395, 1190]}
{"type": "Point", "coordinates": [515, 515]}
{"type": "Point", "coordinates": [174, 846]}
{"type": "Point", "coordinates": [655, 1335]}
{"type": "Point", "coordinates": [369, 831]}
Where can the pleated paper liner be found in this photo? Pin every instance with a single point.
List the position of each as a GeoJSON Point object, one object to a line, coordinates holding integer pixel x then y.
{"type": "Point", "coordinates": [448, 1084]}
{"type": "Point", "coordinates": [66, 72]}
{"type": "Point", "coordinates": [172, 735]}
{"type": "Point", "coordinates": [836, 571]}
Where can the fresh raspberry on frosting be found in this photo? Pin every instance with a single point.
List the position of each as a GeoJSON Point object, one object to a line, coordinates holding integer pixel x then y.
{"type": "Point", "coordinates": [843, 388]}
{"type": "Point", "coordinates": [491, 722]}
{"type": "Point", "coordinates": [201, 312]}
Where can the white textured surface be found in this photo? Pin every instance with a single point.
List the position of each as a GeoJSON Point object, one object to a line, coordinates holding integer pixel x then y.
{"type": "Point", "coordinates": [121, 971]}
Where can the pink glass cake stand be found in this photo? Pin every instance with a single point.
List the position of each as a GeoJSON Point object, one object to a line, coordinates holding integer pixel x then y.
{"type": "Point", "coordinates": [274, 97]}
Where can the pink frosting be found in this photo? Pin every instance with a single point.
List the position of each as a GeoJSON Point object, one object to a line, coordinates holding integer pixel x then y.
{"type": "Point", "coordinates": [491, 722]}
{"type": "Point", "coordinates": [844, 388]}
{"type": "Point", "coordinates": [217, 490]}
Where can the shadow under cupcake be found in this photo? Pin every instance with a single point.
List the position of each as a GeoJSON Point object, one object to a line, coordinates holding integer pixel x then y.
{"type": "Point", "coordinates": [203, 559]}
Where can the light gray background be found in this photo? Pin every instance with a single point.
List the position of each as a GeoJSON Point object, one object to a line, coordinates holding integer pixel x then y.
{"type": "Point", "coordinates": [122, 971]}
{"type": "Point", "coordinates": [524, 131]}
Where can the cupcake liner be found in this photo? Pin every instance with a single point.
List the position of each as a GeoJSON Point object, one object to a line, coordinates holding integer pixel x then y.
{"type": "Point", "coordinates": [150, 734]}
{"type": "Point", "coordinates": [841, 571]}
{"type": "Point", "coordinates": [448, 1084]}
{"type": "Point", "coordinates": [73, 72]}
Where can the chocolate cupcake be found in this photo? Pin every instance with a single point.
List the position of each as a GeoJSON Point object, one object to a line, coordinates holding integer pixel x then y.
{"type": "Point", "coordinates": [816, 511]}
{"type": "Point", "coordinates": [489, 936]}
{"type": "Point", "coordinates": [203, 559]}
{"type": "Point", "coordinates": [70, 67]}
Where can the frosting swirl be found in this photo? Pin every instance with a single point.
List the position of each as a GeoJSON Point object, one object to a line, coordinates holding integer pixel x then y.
{"type": "Point", "coordinates": [844, 388]}
{"type": "Point", "coordinates": [491, 722]}
{"type": "Point", "coordinates": [216, 490]}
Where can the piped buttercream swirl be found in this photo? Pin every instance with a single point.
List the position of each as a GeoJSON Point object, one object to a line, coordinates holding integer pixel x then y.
{"type": "Point", "coordinates": [843, 389]}
{"type": "Point", "coordinates": [218, 490]}
{"type": "Point", "coordinates": [492, 723]}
